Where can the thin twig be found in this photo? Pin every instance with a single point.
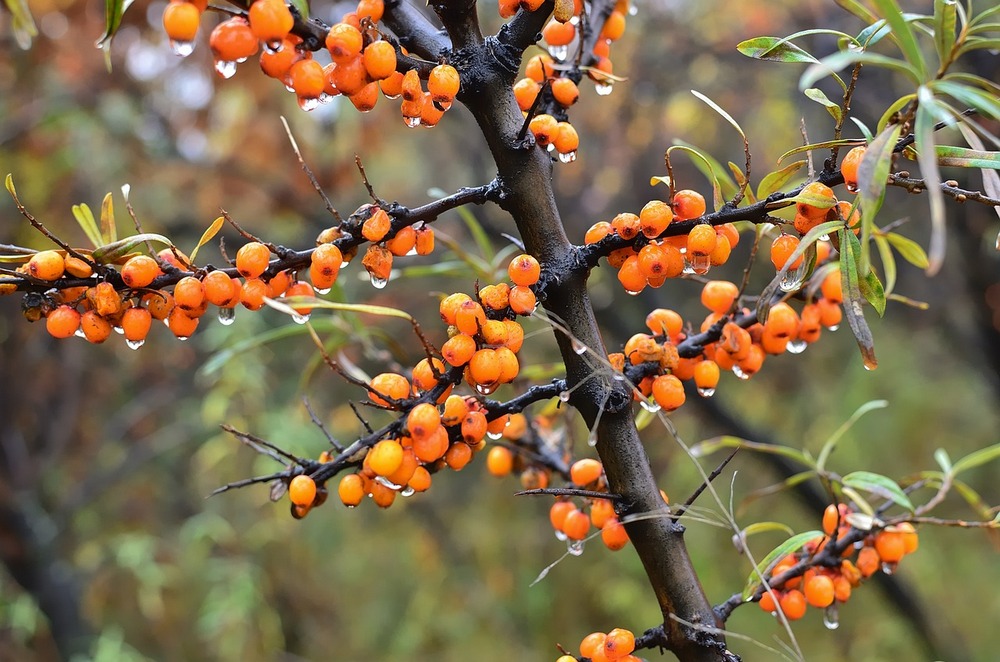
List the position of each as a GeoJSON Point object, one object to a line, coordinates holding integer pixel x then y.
{"type": "Point", "coordinates": [570, 492]}
{"type": "Point", "coordinates": [309, 172]}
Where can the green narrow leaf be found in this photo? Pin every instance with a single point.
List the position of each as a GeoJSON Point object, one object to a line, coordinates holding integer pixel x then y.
{"type": "Point", "coordinates": [985, 102]}
{"type": "Point", "coordinates": [831, 443]}
{"type": "Point", "coordinates": [888, 262]}
{"type": "Point", "coordinates": [831, 64]}
{"type": "Point", "coordinates": [878, 485]}
{"type": "Point", "coordinates": [872, 175]}
{"type": "Point", "coordinates": [941, 456]}
{"type": "Point", "coordinates": [865, 131]}
{"type": "Point", "coordinates": [714, 106]}
{"type": "Point", "coordinates": [924, 134]}
{"type": "Point", "coordinates": [859, 501]}
{"type": "Point", "coordinates": [8, 182]}
{"type": "Point", "coordinates": [895, 107]}
{"type": "Point", "coordinates": [208, 235]}
{"type": "Point", "coordinates": [819, 97]}
{"type": "Point", "coordinates": [964, 157]}
{"type": "Point", "coordinates": [108, 253]}
{"type": "Point", "coordinates": [766, 527]}
{"type": "Point", "coordinates": [709, 446]}
{"type": "Point", "coordinates": [22, 23]}
{"type": "Point", "coordinates": [712, 170]}
{"type": "Point", "coordinates": [88, 223]}
{"type": "Point", "coordinates": [773, 49]}
{"type": "Point", "coordinates": [109, 231]}
{"type": "Point", "coordinates": [977, 458]}
{"type": "Point", "coordinates": [903, 33]}
{"type": "Point", "coordinates": [313, 302]}
{"type": "Point", "coordinates": [945, 21]}
{"type": "Point", "coordinates": [826, 144]}
{"type": "Point", "coordinates": [858, 10]}
{"type": "Point", "coordinates": [852, 299]}
{"type": "Point", "coordinates": [873, 292]}
{"type": "Point", "coordinates": [774, 181]}
{"type": "Point", "coordinates": [113, 12]}
{"type": "Point", "coordinates": [908, 249]}
{"type": "Point", "coordinates": [784, 549]}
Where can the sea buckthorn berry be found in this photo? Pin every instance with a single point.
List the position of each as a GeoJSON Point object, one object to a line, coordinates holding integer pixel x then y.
{"type": "Point", "coordinates": [423, 421]}
{"type": "Point", "coordinates": [62, 322]}
{"type": "Point", "coordinates": [619, 643]}
{"type": "Point", "coordinates": [424, 378]}
{"type": "Point", "coordinates": [380, 60]}
{"type": "Point", "coordinates": [539, 68]}
{"type": "Point", "coordinates": [389, 385]}
{"type": "Point", "coordinates": [307, 78]}
{"type": "Point", "coordinates": [810, 327]}
{"type": "Point", "coordinates": [509, 365]}
{"type": "Point", "coordinates": [276, 63]}
{"type": "Point", "coordinates": [140, 271]}
{"type": "Point", "coordinates": [350, 77]}
{"type": "Point", "coordinates": [457, 456]}
{"type": "Point", "coordinates": [576, 525]}
{"type": "Point", "coordinates": [525, 92]}
{"type": "Point", "coordinates": [500, 461]}
{"type": "Point", "coordinates": [470, 317]}
{"type": "Point", "coordinates": [719, 295]}
{"type": "Point", "coordinates": [403, 242]}
{"type": "Point", "coordinates": [848, 213]}
{"type": "Point", "coordinates": [421, 479]}
{"type": "Point", "coordinates": [189, 293]}
{"type": "Point", "coordinates": [782, 249]}
{"type": "Point", "coordinates": [372, 9]}
{"type": "Point", "coordinates": [890, 546]}
{"type": "Point", "coordinates": [105, 299]}
{"type": "Point", "coordinates": [459, 349]}
{"type": "Point", "coordinates": [47, 265]}
{"type": "Point", "coordinates": [586, 471]}
{"type": "Point", "coordinates": [252, 259]}
{"type": "Point", "coordinates": [723, 249]}
{"type": "Point", "coordinates": [474, 427]}
{"type": "Point", "coordinates": [180, 324]}
{"type": "Point", "coordinates": [522, 300]}
{"type": "Point", "coordinates": [614, 26]}
{"type": "Point", "coordinates": [385, 457]}
{"type": "Point", "coordinates": [450, 304]}
{"type": "Point", "coordinates": [252, 293]}
{"type": "Point", "coordinates": [631, 276]}
{"type": "Point", "coordinates": [820, 198]}
{"type": "Point", "coordinates": [351, 490]}
{"type": "Point", "coordinates": [833, 518]}
{"type": "Point", "coordinates": [626, 225]}
{"type": "Point", "coordinates": [869, 561]}
{"type": "Point", "coordinates": [591, 643]}
{"type": "Point", "coordinates": [601, 511]}
{"type": "Point", "coordinates": [701, 240]}
{"type": "Point", "coordinates": [508, 7]}
{"type": "Point", "coordinates": [392, 86]}
{"type": "Point", "coordinates": [782, 321]}
{"type": "Point", "coordinates": [233, 40]}
{"type": "Point", "coordinates": [344, 42]}
{"type": "Point", "coordinates": [849, 168]}
{"type": "Point", "coordinates": [425, 240]}
{"type": "Point", "coordinates": [641, 348]}
{"type": "Point", "coordinates": [515, 336]}
{"type": "Point", "coordinates": [819, 591]}
{"type": "Point", "coordinates": [566, 140]}
{"type": "Point", "coordinates": [495, 297]}
{"type": "Point", "coordinates": [664, 322]}
{"type": "Point", "coordinates": [412, 91]}
{"type": "Point", "coordinates": [524, 270]}
{"type": "Point", "coordinates": [565, 91]}
{"type": "Point", "coordinates": [407, 467]}
{"type": "Point", "coordinates": [767, 603]}
{"type": "Point", "coordinates": [830, 314]}
{"type": "Point", "coordinates": [494, 333]}
{"type": "Point", "coordinates": [910, 539]}
{"type": "Point", "coordinates": [832, 287]}
{"type": "Point", "coordinates": [668, 391]}
{"type": "Point", "coordinates": [729, 231]}
{"type": "Point", "coordinates": [545, 128]}
{"type": "Point", "coordinates": [706, 375]}
{"type": "Point", "coordinates": [484, 367]}
{"type": "Point", "coordinates": [688, 204]}
{"type": "Point", "coordinates": [302, 490]}
{"type": "Point", "coordinates": [597, 231]}
{"type": "Point", "coordinates": [382, 496]}
{"type": "Point", "coordinates": [159, 304]}
{"type": "Point", "coordinates": [278, 283]}
{"type": "Point", "coordinates": [300, 289]}
{"type": "Point", "coordinates": [180, 21]}
{"type": "Point", "coordinates": [617, 257]}
{"type": "Point", "coordinates": [793, 605]}
{"type": "Point", "coordinates": [654, 218]}
{"type": "Point", "coordinates": [455, 410]}
{"type": "Point", "coordinates": [497, 426]}
{"type": "Point", "coordinates": [432, 448]}
{"type": "Point", "coordinates": [376, 226]}
{"type": "Point", "coordinates": [660, 261]}
{"type": "Point", "coordinates": [136, 323]}
{"type": "Point", "coordinates": [558, 512]}
{"type": "Point", "coordinates": [557, 33]}
{"type": "Point", "coordinates": [378, 263]}
{"type": "Point", "coordinates": [841, 589]}
{"type": "Point", "coordinates": [443, 83]}
{"type": "Point", "coordinates": [270, 20]}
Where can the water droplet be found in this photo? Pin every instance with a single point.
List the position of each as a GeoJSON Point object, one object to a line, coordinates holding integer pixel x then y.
{"type": "Point", "coordinates": [407, 491]}
{"type": "Point", "coordinates": [126, 189]}
{"type": "Point", "coordinates": [327, 98]}
{"type": "Point", "coordinates": [870, 363]}
{"type": "Point", "coordinates": [633, 292]}
{"type": "Point", "coordinates": [793, 278]}
{"type": "Point", "coordinates": [633, 10]}
{"type": "Point", "coordinates": [225, 68]}
{"type": "Point", "coordinates": [412, 122]}
{"type": "Point", "coordinates": [603, 89]}
{"type": "Point", "coordinates": [120, 331]}
{"type": "Point", "coordinates": [495, 435]}
{"type": "Point", "coordinates": [738, 371]}
{"type": "Point", "coordinates": [650, 406]}
{"type": "Point", "coordinates": [390, 96]}
{"type": "Point", "coordinates": [706, 392]}
{"type": "Point", "coordinates": [80, 334]}
{"type": "Point", "coordinates": [443, 105]}
{"type": "Point", "coordinates": [564, 396]}
{"type": "Point", "coordinates": [322, 290]}
{"type": "Point", "coordinates": [182, 48]}
{"type": "Point", "coordinates": [567, 157]}
{"type": "Point", "coordinates": [888, 568]}
{"type": "Point", "coordinates": [574, 547]}
{"type": "Point", "coordinates": [351, 507]}
{"type": "Point", "coordinates": [559, 52]}
{"type": "Point", "coordinates": [289, 88]}
{"type": "Point", "coordinates": [592, 438]}
{"type": "Point", "coordinates": [273, 47]}
{"type": "Point", "coordinates": [166, 322]}
{"type": "Point", "coordinates": [700, 264]}
{"type": "Point", "coordinates": [300, 319]}
{"type": "Point", "coordinates": [852, 188]}
{"type": "Point", "coordinates": [833, 327]}
{"type": "Point", "coordinates": [560, 536]}
{"type": "Point", "coordinates": [551, 147]}
{"type": "Point", "coordinates": [487, 389]}
{"type": "Point", "coordinates": [824, 237]}
{"type": "Point", "coordinates": [831, 617]}
{"type": "Point", "coordinates": [796, 346]}
{"type": "Point", "coordinates": [378, 283]}
{"type": "Point", "coordinates": [578, 347]}
{"type": "Point", "coordinates": [227, 316]}
{"type": "Point", "coordinates": [135, 344]}
{"type": "Point", "coordinates": [412, 251]}
{"type": "Point", "coordinates": [308, 104]}
{"type": "Point", "coordinates": [385, 482]}
{"type": "Point", "coordinates": [183, 338]}
{"type": "Point", "coordinates": [575, 20]}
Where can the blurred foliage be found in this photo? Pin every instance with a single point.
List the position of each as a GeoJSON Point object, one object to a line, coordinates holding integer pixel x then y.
{"type": "Point", "coordinates": [118, 448]}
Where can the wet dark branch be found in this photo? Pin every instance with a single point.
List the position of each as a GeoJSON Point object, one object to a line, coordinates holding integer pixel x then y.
{"type": "Point", "coordinates": [460, 19]}
{"type": "Point", "coordinates": [414, 29]}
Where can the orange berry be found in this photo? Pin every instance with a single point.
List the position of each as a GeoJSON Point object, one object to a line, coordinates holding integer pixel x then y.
{"type": "Point", "coordinates": [848, 213]}
{"type": "Point", "coordinates": [385, 457]}
{"type": "Point", "coordinates": [591, 643]}
{"type": "Point", "coordinates": [389, 385]}
{"type": "Point", "coordinates": [910, 539]}
{"type": "Point", "coordinates": [706, 375]}
{"type": "Point", "coordinates": [793, 605]}
{"type": "Point", "coordinates": [425, 240]}
{"type": "Point", "coordinates": [47, 265]}
{"type": "Point", "coordinates": [668, 391]}
{"type": "Point", "coordinates": [459, 349]}
{"type": "Point", "coordinates": [663, 322]}
{"type": "Point", "coordinates": [382, 496]}
{"type": "Point", "coordinates": [613, 534]}
{"type": "Point", "coordinates": [499, 461]}
{"type": "Point", "coordinates": [515, 336]}
{"type": "Point", "coordinates": [392, 86]}
{"type": "Point", "coordinates": [626, 225]}
{"type": "Point", "coordinates": [832, 287]}
{"type": "Point", "coordinates": [576, 525]}
{"type": "Point", "coordinates": [380, 60]}
{"type": "Point", "coordinates": [403, 242]}
{"type": "Point", "coordinates": [62, 322]}
{"type": "Point", "coordinates": [378, 263]}
{"type": "Point", "coordinates": [767, 603]}
{"type": "Point", "coordinates": [433, 447]}
{"type": "Point", "coordinates": [601, 510]}
{"type": "Point", "coordinates": [630, 274]}
{"type": "Point", "coordinates": [566, 140]}
{"type": "Point", "coordinates": [545, 128]}
{"type": "Point", "coordinates": [180, 324]}
{"type": "Point", "coordinates": [300, 288]}
{"type": "Point", "coordinates": [890, 546]}
{"type": "Point", "coordinates": [484, 367]}
{"type": "Point", "coordinates": [421, 479]}
{"type": "Point", "coordinates": [307, 78]}
{"type": "Point", "coordinates": [556, 33]}
{"type": "Point", "coordinates": [344, 42]}
{"type": "Point", "coordinates": [458, 455]}
{"type": "Point", "coordinates": [495, 297]}
{"type": "Point", "coordinates": [252, 259]}
{"type": "Point", "coordinates": [833, 518]}
{"type": "Point", "coordinates": [159, 304]}
{"type": "Point", "coordinates": [868, 561]}
{"type": "Point", "coordinates": [564, 91]}
{"type": "Point", "coordinates": [474, 427]}
{"type": "Point", "coordinates": [619, 643]}
{"type": "Point", "coordinates": [524, 270]}
{"type": "Point", "coordinates": [525, 92]}
{"type": "Point", "coordinates": [782, 249]}
{"type": "Point", "coordinates": [729, 231]}
{"type": "Point", "coordinates": [140, 271]}
{"type": "Point", "coordinates": [597, 231]}
{"type": "Point", "coordinates": [841, 589]}
{"type": "Point", "coordinates": [455, 410]}
{"type": "Point", "coordinates": [821, 199]}
{"type": "Point", "coordinates": [372, 9]}
{"type": "Point", "coordinates": [302, 490]}
{"type": "Point", "coordinates": [688, 204]}
{"type": "Point", "coordinates": [470, 317]}
{"type": "Point", "coordinates": [136, 323]}
{"type": "Point", "coordinates": [189, 293]}
{"type": "Point", "coordinates": [614, 26]}
{"type": "Point", "coordinates": [522, 300]}
{"type": "Point", "coordinates": [233, 40]}
{"type": "Point", "coordinates": [586, 471]}
{"type": "Point", "coordinates": [719, 295]}
{"type": "Point", "coordinates": [819, 591]}
{"type": "Point", "coordinates": [558, 512]}
{"type": "Point", "coordinates": [351, 490]}
{"type": "Point", "coordinates": [723, 249]}
{"type": "Point", "coordinates": [443, 83]}
{"type": "Point", "coordinates": [509, 365]}
{"type": "Point", "coordinates": [539, 68]}
{"type": "Point", "coordinates": [849, 168]}
{"type": "Point", "coordinates": [252, 293]}
{"type": "Point", "coordinates": [270, 20]}
{"type": "Point", "coordinates": [377, 226]}
{"type": "Point", "coordinates": [350, 77]}
{"type": "Point", "coordinates": [276, 63]}
{"type": "Point", "coordinates": [423, 421]}
{"type": "Point", "coordinates": [701, 240]}
{"type": "Point", "coordinates": [180, 21]}
{"type": "Point", "coordinates": [654, 218]}
{"type": "Point", "coordinates": [424, 378]}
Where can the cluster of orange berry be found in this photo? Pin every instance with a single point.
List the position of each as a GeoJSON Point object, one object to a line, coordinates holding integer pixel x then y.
{"type": "Point", "coordinates": [363, 63]}
{"type": "Point", "coordinates": [696, 252]}
{"type": "Point", "coordinates": [615, 646]}
{"type": "Point", "coordinates": [826, 587]}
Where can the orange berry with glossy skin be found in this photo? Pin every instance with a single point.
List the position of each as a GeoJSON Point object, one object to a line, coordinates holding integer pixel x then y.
{"type": "Point", "coordinates": [458, 455]}
{"type": "Point", "coordinates": [701, 241]}
{"type": "Point", "coordinates": [423, 421]}
{"type": "Point", "coordinates": [270, 20]}
{"type": "Point", "coordinates": [515, 335]}
{"type": "Point", "coordinates": [47, 265]}
{"type": "Point", "coordinates": [767, 603]}
{"type": "Point", "coordinates": [613, 534]}
{"type": "Point", "coordinates": [474, 427]}
{"type": "Point", "coordinates": [545, 128]}
{"type": "Point", "coordinates": [499, 461]}
{"type": "Point", "coordinates": [524, 270]}
{"type": "Point", "coordinates": [557, 33]}
{"type": "Point", "coordinates": [159, 304]}
{"type": "Point", "coordinates": [841, 589]}
{"type": "Point", "coordinates": [252, 293]}
{"type": "Point", "coordinates": [664, 322]}
{"type": "Point", "coordinates": [525, 92]}
{"type": "Point", "coordinates": [832, 287]}
{"type": "Point", "coordinates": [890, 546]}
{"type": "Point", "coordinates": [495, 297]}
{"type": "Point", "coordinates": [522, 300]}
{"type": "Point", "coordinates": [403, 242]}
{"type": "Point", "coordinates": [382, 496]}
{"type": "Point", "coordinates": [302, 490]}
{"type": "Point", "coordinates": [509, 365]}
{"type": "Point", "coordinates": [307, 78]}
{"type": "Point", "coordinates": [576, 525]}
{"type": "Point", "coordinates": [830, 314]}
{"type": "Point", "coordinates": [849, 167]}
{"type": "Point", "coordinates": [626, 225]}
{"type": "Point", "coordinates": [722, 251]}
{"type": "Point", "coordinates": [392, 86]}
{"type": "Point", "coordinates": [619, 643]}
{"type": "Point", "coordinates": [277, 63]}
{"type": "Point", "coordinates": [688, 204]}
{"type": "Point", "coordinates": [614, 26]}
{"type": "Point", "coordinates": [706, 375]}
{"type": "Point", "coordinates": [140, 271]}
{"type": "Point", "coordinates": [668, 391]}
{"type": "Point", "coordinates": [459, 349]}
{"type": "Point", "coordinates": [539, 68]}
{"type": "Point", "coordinates": [470, 317]}
{"type": "Point", "coordinates": [586, 471]}
{"type": "Point", "coordinates": [372, 9]}
{"type": "Point", "coordinates": [597, 231]}
{"type": "Point", "coordinates": [325, 266]}
{"type": "Point", "coordinates": [136, 323]}
{"type": "Point", "coordinates": [421, 479]}
{"type": "Point", "coordinates": [450, 305]}
{"type": "Point", "coordinates": [591, 643]}
{"type": "Point", "coordinates": [566, 140]}
{"type": "Point", "coordinates": [443, 83]}
{"type": "Point", "coordinates": [180, 21]}
{"type": "Point", "coordinates": [558, 512]}
{"type": "Point", "coordinates": [819, 591]}
{"type": "Point", "coordinates": [729, 231]}
{"type": "Point", "coordinates": [822, 195]}
{"type": "Point", "coordinates": [62, 322]}
{"type": "Point", "coordinates": [564, 91]}
{"type": "Point", "coordinates": [377, 226]}
{"type": "Point", "coordinates": [351, 490]}
{"type": "Point", "coordinates": [180, 324]}
{"type": "Point", "coordinates": [388, 385]}
{"type": "Point", "coordinates": [793, 605]}
{"type": "Point", "coordinates": [385, 457]}
{"type": "Point", "coordinates": [868, 561]}
{"type": "Point", "coordinates": [425, 240]}
{"type": "Point", "coordinates": [252, 259]}
{"type": "Point", "coordinates": [303, 289]}
{"type": "Point", "coordinates": [601, 510]}
{"type": "Point", "coordinates": [344, 42]}
{"type": "Point", "coordinates": [782, 249]}
{"type": "Point", "coordinates": [654, 218]}
{"type": "Point", "coordinates": [484, 367]}
{"type": "Point", "coordinates": [424, 378]}
{"type": "Point", "coordinates": [233, 40]}
{"type": "Point", "coordinates": [719, 295]}
{"type": "Point", "coordinates": [189, 293]}
{"type": "Point", "coordinates": [832, 518]}
{"type": "Point", "coordinates": [350, 77]}
{"type": "Point", "coordinates": [910, 539]}
{"type": "Point", "coordinates": [380, 60]}
{"type": "Point", "coordinates": [630, 275]}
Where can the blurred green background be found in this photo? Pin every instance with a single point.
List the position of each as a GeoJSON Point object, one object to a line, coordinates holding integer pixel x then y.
{"type": "Point", "coordinates": [106, 454]}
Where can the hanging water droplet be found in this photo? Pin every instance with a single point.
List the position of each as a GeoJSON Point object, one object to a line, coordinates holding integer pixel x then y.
{"type": "Point", "coordinates": [351, 507]}
{"type": "Point", "coordinates": [487, 389]}
{"type": "Point", "coordinates": [650, 406]}
{"type": "Point", "coordinates": [182, 48]}
{"type": "Point", "coordinates": [308, 104]}
{"type": "Point", "coordinates": [574, 547]}
{"type": "Point", "coordinates": [831, 617]}
{"type": "Point", "coordinates": [870, 363]}
{"type": "Point", "coordinates": [225, 68]}
{"type": "Point", "coordinates": [560, 536]}
{"type": "Point", "coordinates": [411, 252]}
{"type": "Point", "coordinates": [166, 322]}
{"type": "Point", "coordinates": [852, 187]}
{"type": "Point", "coordinates": [407, 491]}
{"type": "Point", "coordinates": [322, 290]}
{"type": "Point", "coordinates": [793, 278]}
{"type": "Point", "coordinates": [411, 122]}
{"type": "Point", "coordinates": [378, 283]}
{"type": "Point", "coordinates": [80, 334]}
{"type": "Point", "coordinates": [289, 88]}
{"type": "Point", "coordinates": [824, 237]}
{"type": "Point", "coordinates": [738, 371]}
{"type": "Point", "coordinates": [443, 105]}
{"type": "Point", "coordinates": [833, 327]}
{"type": "Point", "coordinates": [551, 147]}
{"type": "Point", "coordinates": [575, 20]}
{"type": "Point", "coordinates": [578, 347]}
{"type": "Point", "coordinates": [567, 157]}
{"type": "Point", "coordinates": [135, 344]}
{"type": "Point", "coordinates": [300, 319]}
{"type": "Point", "coordinates": [700, 264]}
{"type": "Point", "coordinates": [633, 10]}
{"type": "Point", "coordinates": [126, 189]}
{"type": "Point", "coordinates": [706, 392]}
{"type": "Point", "coordinates": [385, 482]}
{"type": "Point", "coordinates": [227, 316]}
{"type": "Point", "coordinates": [183, 338]}
{"type": "Point", "coordinates": [494, 435]}
{"type": "Point", "coordinates": [564, 396]}
{"type": "Point", "coordinates": [592, 438]}
{"type": "Point", "coordinates": [327, 98]}
{"type": "Point", "coordinates": [559, 52]}
{"type": "Point", "coordinates": [120, 331]}
{"type": "Point", "coordinates": [603, 89]}
{"type": "Point", "coordinates": [796, 346]}
{"type": "Point", "coordinates": [633, 292]}
{"type": "Point", "coordinates": [390, 96]}
{"type": "Point", "coordinates": [888, 568]}
{"type": "Point", "coordinates": [274, 46]}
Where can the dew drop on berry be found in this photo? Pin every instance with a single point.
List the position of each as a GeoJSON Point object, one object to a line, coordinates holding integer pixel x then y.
{"type": "Point", "coordinates": [567, 157]}
{"type": "Point", "coordinates": [412, 122]}
{"type": "Point", "coordinates": [796, 346]}
{"type": "Point", "coordinates": [833, 328]}
{"type": "Point", "coordinates": [273, 47]}
{"type": "Point", "coordinates": [300, 319]}
{"type": "Point", "coordinates": [407, 491]}
{"type": "Point", "coordinates": [385, 482]}
{"type": "Point", "coordinates": [559, 52]}
{"type": "Point", "coordinates": [495, 436]}
{"type": "Point", "coordinates": [560, 536]}
{"type": "Point", "coordinates": [379, 283]}
{"type": "Point", "coordinates": [182, 48]}
{"type": "Point", "coordinates": [227, 316]}
{"type": "Point", "coordinates": [700, 264]}
{"type": "Point", "coordinates": [831, 617]}
{"type": "Point", "coordinates": [225, 68]}
{"type": "Point", "coordinates": [574, 547]}
{"type": "Point", "coordinates": [308, 104]}
{"type": "Point", "coordinates": [706, 392]}
{"type": "Point", "coordinates": [603, 89]}
{"type": "Point", "coordinates": [793, 278]}
{"type": "Point", "coordinates": [80, 334]}
{"type": "Point", "coordinates": [738, 371]}
{"type": "Point", "coordinates": [135, 344]}
{"type": "Point", "coordinates": [120, 331]}
{"type": "Point", "coordinates": [323, 290]}
{"type": "Point", "coordinates": [649, 406]}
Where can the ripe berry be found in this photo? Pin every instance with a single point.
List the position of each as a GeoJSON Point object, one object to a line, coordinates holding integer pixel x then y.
{"type": "Point", "coordinates": [385, 457]}
{"type": "Point", "coordinates": [350, 76]}
{"type": "Point", "coordinates": [233, 40]}
{"type": "Point", "coordinates": [425, 240]}
{"type": "Point", "coordinates": [62, 322]}
{"type": "Point", "coordinates": [668, 391]}
{"type": "Point", "coordinates": [701, 240]}
{"type": "Point", "coordinates": [706, 375]}
{"type": "Point", "coordinates": [663, 322]}
{"type": "Point", "coordinates": [484, 367]}
{"type": "Point", "coordinates": [389, 385]}
{"type": "Point", "coordinates": [252, 293]}
{"type": "Point", "coordinates": [180, 21]}
{"type": "Point", "coordinates": [524, 270]}
{"type": "Point", "coordinates": [545, 128]}
{"type": "Point", "coordinates": [325, 266]}
{"type": "Point", "coordinates": [276, 63]}
{"type": "Point", "coordinates": [403, 242]}
{"type": "Point", "coordinates": [180, 324]}
{"type": "Point", "coordinates": [221, 290]}
{"type": "Point", "coordinates": [793, 605]}
{"type": "Point", "coordinates": [688, 204]}
{"type": "Point", "coordinates": [654, 218]}
{"type": "Point", "coordinates": [539, 68]}
{"type": "Point", "coordinates": [443, 83]}
{"type": "Point", "coordinates": [189, 293]}
{"type": "Point", "coordinates": [849, 168]}
{"type": "Point", "coordinates": [619, 643]}
{"type": "Point", "coordinates": [515, 335]}
{"type": "Point", "coordinates": [522, 300]}
{"type": "Point", "coordinates": [890, 546]}
{"type": "Point", "coordinates": [378, 263]}
{"type": "Point", "coordinates": [135, 324]}
{"type": "Point", "coordinates": [252, 259]}
{"type": "Point", "coordinates": [868, 561]}
{"type": "Point", "coordinates": [140, 271]}
{"type": "Point", "coordinates": [614, 26]}
{"type": "Point", "coordinates": [821, 198]}
{"type": "Point", "coordinates": [719, 295]}
{"type": "Point", "coordinates": [377, 226]}
{"type": "Point", "coordinates": [459, 349]}
{"type": "Point", "coordinates": [819, 591]}
{"type": "Point", "coordinates": [591, 643]}
{"type": "Point", "coordinates": [302, 490]}
{"type": "Point", "coordinates": [470, 317]}
{"type": "Point", "coordinates": [558, 33]}
{"type": "Point", "coordinates": [307, 78]}
{"type": "Point", "coordinates": [586, 471]}
{"type": "Point", "coordinates": [270, 20]}
{"type": "Point", "coordinates": [380, 60]}
{"type": "Point", "coordinates": [344, 42]}
{"type": "Point", "coordinates": [458, 455]}
{"type": "Point", "coordinates": [351, 490]}
{"type": "Point", "coordinates": [597, 231]}
{"type": "Point", "coordinates": [576, 525]}
{"type": "Point", "coordinates": [474, 427]}
{"type": "Point", "coordinates": [47, 265]}
{"type": "Point", "coordinates": [767, 603]}
{"type": "Point", "coordinates": [566, 140]}
{"type": "Point", "coordinates": [423, 421]}
{"type": "Point", "coordinates": [564, 91]}
{"type": "Point", "coordinates": [782, 249]}
{"type": "Point", "coordinates": [424, 378]}
{"type": "Point", "coordinates": [526, 91]}
{"type": "Point", "coordinates": [500, 461]}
